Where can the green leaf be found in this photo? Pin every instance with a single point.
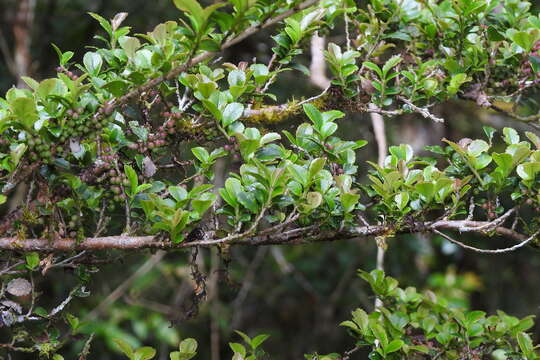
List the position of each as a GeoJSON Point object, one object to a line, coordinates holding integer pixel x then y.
{"type": "Point", "coordinates": [390, 63]}
{"type": "Point", "coordinates": [314, 115]}
{"type": "Point", "coordinates": [192, 7]}
{"type": "Point", "coordinates": [524, 40]}
{"type": "Point", "coordinates": [188, 346]}
{"type": "Point", "coordinates": [92, 62]}
{"type": "Point", "coordinates": [32, 260]}
{"type": "Point", "coordinates": [379, 333]}
{"type": "Point", "coordinates": [32, 84]}
{"type": "Point", "coordinates": [25, 110]}
{"type": "Point", "coordinates": [236, 78]}
{"type": "Point", "coordinates": [528, 171]}
{"type": "Point", "coordinates": [455, 83]}
{"type": "Point", "coordinates": [299, 173]}
{"type": "Point", "coordinates": [238, 348]}
{"type": "Point", "coordinates": [393, 346]}
{"type": "Point", "coordinates": [511, 136]}
{"type": "Point", "coordinates": [178, 193]}
{"type": "Point", "coordinates": [490, 132]}
{"type": "Point", "coordinates": [349, 201]}
{"type": "Point", "coordinates": [268, 138]}
{"type": "Point", "coordinates": [316, 166]}
{"type": "Point", "coordinates": [258, 340]}
{"type": "Point", "coordinates": [232, 112]}
{"type": "Point", "coordinates": [247, 199]}
{"type": "Point", "coordinates": [132, 177]}
{"type": "Point", "coordinates": [51, 87]}
{"type": "Point", "coordinates": [3, 199]}
{"type": "Point", "coordinates": [477, 147]}
{"type": "Point", "coordinates": [402, 199]}
{"type": "Point", "coordinates": [201, 205]}
{"type": "Point", "coordinates": [201, 154]}
{"type": "Point", "coordinates": [314, 199]}
{"type": "Point", "coordinates": [533, 138]}
{"type": "Point", "coordinates": [124, 347]}
{"type": "Point", "coordinates": [130, 45]}
{"type": "Point", "coordinates": [426, 190]}
{"type": "Point", "coordinates": [525, 343]}
{"type": "Point", "coordinates": [504, 162]}
{"type": "Point", "coordinates": [374, 67]}
{"type": "Point", "coordinates": [103, 22]}
{"type": "Point", "coordinates": [144, 353]}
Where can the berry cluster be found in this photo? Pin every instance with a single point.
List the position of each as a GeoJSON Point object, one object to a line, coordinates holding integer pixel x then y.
{"type": "Point", "coordinates": [106, 173]}
{"type": "Point", "coordinates": [155, 140]}
{"type": "Point", "coordinates": [70, 74]}
{"type": "Point", "coordinates": [40, 149]}
{"type": "Point", "coordinates": [233, 148]}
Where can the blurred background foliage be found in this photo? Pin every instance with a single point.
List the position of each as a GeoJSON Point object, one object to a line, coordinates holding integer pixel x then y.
{"type": "Point", "coordinates": [298, 295]}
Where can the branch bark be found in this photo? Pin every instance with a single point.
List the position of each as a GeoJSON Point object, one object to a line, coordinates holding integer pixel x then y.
{"type": "Point", "coordinates": [295, 236]}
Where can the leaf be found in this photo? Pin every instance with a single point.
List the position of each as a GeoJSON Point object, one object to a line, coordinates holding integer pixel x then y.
{"type": "Point", "coordinates": [349, 201]}
{"type": "Point", "coordinates": [533, 138]}
{"type": "Point", "coordinates": [510, 136]}
{"type": "Point", "coordinates": [379, 333]}
{"type": "Point", "coordinates": [299, 173]}
{"type": "Point", "coordinates": [116, 87]}
{"type": "Point", "coordinates": [525, 343]}
{"type": "Point", "coordinates": [402, 199]}
{"type": "Point", "coordinates": [232, 112]}
{"type": "Point", "coordinates": [201, 205]}
{"type": "Point", "coordinates": [92, 62]}
{"type": "Point", "coordinates": [528, 171]}
{"type": "Point", "coordinates": [244, 336]}
{"type": "Point", "coordinates": [236, 78]}
{"type": "Point", "coordinates": [477, 147]}
{"type": "Point", "coordinates": [19, 287]}
{"type": "Point", "coordinates": [268, 138]}
{"type": "Point", "coordinates": [50, 87]}
{"type": "Point", "coordinates": [316, 166]}
{"type": "Point", "coordinates": [504, 162]}
{"type": "Point", "coordinates": [390, 63]}
{"type": "Point", "coordinates": [143, 59]}
{"type": "Point", "coordinates": [455, 83]}
{"type": "Point", "coordinates": [188, 346]}
{"type": "Point", "coordinates": [314, 199]}
{"type": "Point", "coordinates": [144, 353]}
{"type": "Point", "coordinates": [103, 22]}
{"type": "Point", "coordinates": [314, 115]}
{"type": "Point", "coordinates": [328, 129]}
{"type": "Point", "coordinates": [374, 67]}
{"type": "Point", "coordinates": [393, 346]}
{"type": "Point", "coordinates": [258, 340]}
{"type": "Point", "coordinates": [32, 84]}
{"type": "Point", "coordinates": [523, 39]}
{"type": "Point", "coordinates": [25, 110]}
{"type": "Point", "coordinates": [190, 6]}
{"type": "Point", "coordinates": [124, 347]}
{"type": "Point", "coordinates": [32, 260]}
{"type": "Point", "coordinates": [149, 168]}
{"type": "Point", "coordinates": [130, 45]}
{"type": "Point", "coordinates": [201, 154]}
{"type": "Point", "coordinates": [247, 199]}
{"type": "Point", "coordinates": [132, 177]}
{"type": "Point", "coordinates": [178, 193]}
{"type": "Point", "coordinates": [238, 348]}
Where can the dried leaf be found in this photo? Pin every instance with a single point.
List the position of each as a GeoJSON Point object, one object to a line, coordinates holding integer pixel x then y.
{"type": "Point", "coordinates": [149, 168]}
{"type": "Point", "coordinates": [118, 19]}
{"type": "Point", "coordinates": [19, 287]}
